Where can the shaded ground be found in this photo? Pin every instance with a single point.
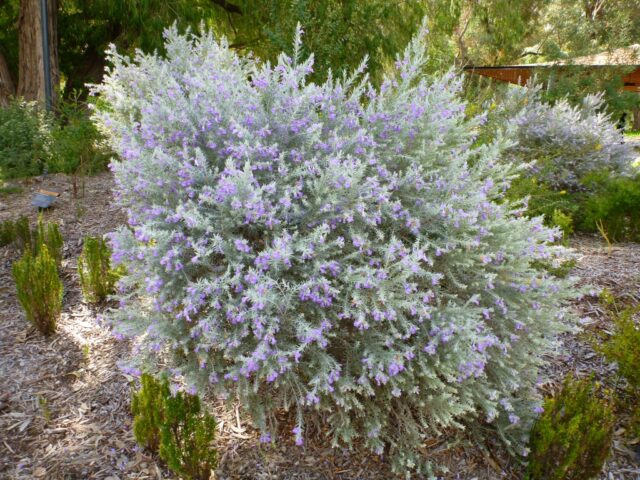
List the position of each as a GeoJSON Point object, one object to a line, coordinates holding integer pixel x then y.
{"type": "Point", "coordinates": [64, 403]}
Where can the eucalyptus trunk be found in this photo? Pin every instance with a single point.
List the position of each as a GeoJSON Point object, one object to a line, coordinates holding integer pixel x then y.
{"type": "Point", "coordinates": [7, 85]}
{"type": "Point", "coordinates": [31, 79]}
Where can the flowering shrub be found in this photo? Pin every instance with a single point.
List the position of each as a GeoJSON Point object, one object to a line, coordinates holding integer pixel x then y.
{"type": "Point", "coordinates": [334, 249]}
{"type": "Point", "coordinates": [562, 143]}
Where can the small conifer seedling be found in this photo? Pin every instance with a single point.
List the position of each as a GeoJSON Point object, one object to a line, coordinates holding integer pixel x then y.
{"type": "Point", "coordinates": [97, 278]}
{"type": "Point", "coordinates": [146, 406]}
{"type": "Point", "coordinates": [175, 426]}
{"type": "Point", "coordinates": [50, 236]}
{"type": "Point", "coordinates": [22, 235]}
{"type": "Point", "coordinates": [186, 437]}
{"type": "Point", "coordinates": [572, 438]}
{"type": "Point", "coordinates": [7, 232]}
{"type": "Point", "coordinates": [39, 289]}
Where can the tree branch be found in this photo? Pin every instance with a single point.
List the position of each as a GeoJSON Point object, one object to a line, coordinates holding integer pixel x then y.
{"type": "Point", "coordinates": [229, 7]}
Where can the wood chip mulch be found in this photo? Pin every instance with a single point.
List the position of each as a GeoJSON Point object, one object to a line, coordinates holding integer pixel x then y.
{"type": "Point", "coordinates": [64, 403]}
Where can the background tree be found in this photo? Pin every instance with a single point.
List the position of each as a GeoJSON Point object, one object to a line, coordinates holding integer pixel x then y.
{"type": "Point", "coordinates": [21, 49]}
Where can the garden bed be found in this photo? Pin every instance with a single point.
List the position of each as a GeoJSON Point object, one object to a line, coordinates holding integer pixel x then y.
{"type": "Point", "coordinates": [64, 404]}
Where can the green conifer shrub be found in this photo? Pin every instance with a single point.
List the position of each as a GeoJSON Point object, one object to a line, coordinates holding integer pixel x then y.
{"type": "Point", "coordinates": [97, 278]}
{"type": "Point", "coordinates": [39, 289]}
{"type": "Point", "coordinates": [7, 232]}
{"type": "Point", "coordinates": [186, 436]}
{"type": "Point", "coordinates": [23, 233]}
{"type": "Point", "coordinates": [31, 240]}
{"type": "Point", "coordinates": [47, 235]}
{"type": "Point", "coordinates": [147, 406]}
{"type": "Point", "coordinates": [564, 222]}
{"type": "Point", "coordinates": [174, 425]}
{"type": "Point", "coordinates": [335, 249]}
{"type": "Point", "coordinates": [572, 437]}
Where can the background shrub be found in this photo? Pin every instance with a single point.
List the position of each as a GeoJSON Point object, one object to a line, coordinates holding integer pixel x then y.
{"type": "Point", "coordinates": [332, 249]}
{"type": "Point", "coordinates": [67, 142]}
{"type": "Point", "coordinates": [616, 203]}
{"type": "Point", "coordinates": [572, 438]}
{"type": "Point", "coordinates": [97, 278]}
{"type": "Point", "coordinates": [579, 169]}
{"type": "Point", "coordinates": [623, 346]}
{"type": "Point", "coordinates": [562, 143]}
{"type": "Point", "coordinates": [24, 140]}
{"type": "Point", "coordinates": [39, 289]}
{"type": "Point", "coordinates": [175, 426]}
{"type": "Point", "coordinates": [76, 145]}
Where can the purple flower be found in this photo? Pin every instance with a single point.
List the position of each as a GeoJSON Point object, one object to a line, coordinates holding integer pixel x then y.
{"type": "Point", "coordinates": [242, 245]}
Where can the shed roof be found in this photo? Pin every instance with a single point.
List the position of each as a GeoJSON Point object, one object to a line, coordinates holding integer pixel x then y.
{"type": "Point", "coordinates": [620, 57]}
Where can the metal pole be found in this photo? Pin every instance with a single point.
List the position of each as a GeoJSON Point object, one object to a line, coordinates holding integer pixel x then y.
{"type": "Point", "coordinates": [44, 17]}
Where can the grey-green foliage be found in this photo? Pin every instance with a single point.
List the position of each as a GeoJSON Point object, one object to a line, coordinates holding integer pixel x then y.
{"type": "Point", "coordinates": [561, 144]}
{"type": "Point", "coordinates": [334, 249]}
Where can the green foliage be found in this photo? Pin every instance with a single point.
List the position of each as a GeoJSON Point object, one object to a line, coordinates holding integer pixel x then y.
{"type": "Point", "coordinates": [76, 147]}
{"type": "Point", "coordinates": [186, 437]}
{"type": "Point", "coordinates": [39, 289]}
{"type": "Point", "coordinates": [564, 222]}
{"type": "Point", "coordinates": [47, 235]}
{"type": "Point", "coordinates": [616, 203]}
{"type": "Point", "coordinates": [623, 346]}
{"type": "Point", "coordinates": [22, 233]}
{"type": "Point", "coordinates": [339, 33]}
{"type": "Point", "coordinates": [147, 406]}
{"type": "Point", "coordinates": [10, 189]}
{"type": "Point", "coordinates": [572, 438]}
{"type": "Point", "coordinates": [7, 232]}
{"type": "Point", "coordinates": [175, 425]}
{"type": "Point", "coordinates": [97, 278]}
{"type": "Point", "coordinates": [23, 140]}
{"type": "Point", "coordinates": [19, 233]}
{"type": "Point", "coordinates": [557, 269]}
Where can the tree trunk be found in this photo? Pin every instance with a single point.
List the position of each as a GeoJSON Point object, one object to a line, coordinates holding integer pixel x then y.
{"type": "Point", "coordinates": [30, 68]}
{"type": "Point", "coordinates": [7, 86]}
{"type": "Point", "coordinates": [636, 119]}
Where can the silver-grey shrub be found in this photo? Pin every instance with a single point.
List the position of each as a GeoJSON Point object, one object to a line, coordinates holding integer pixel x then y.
{"type": "Point", "coordinates": [336, 249]}
{"type": "Point", "coordinates": [560, 143]}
